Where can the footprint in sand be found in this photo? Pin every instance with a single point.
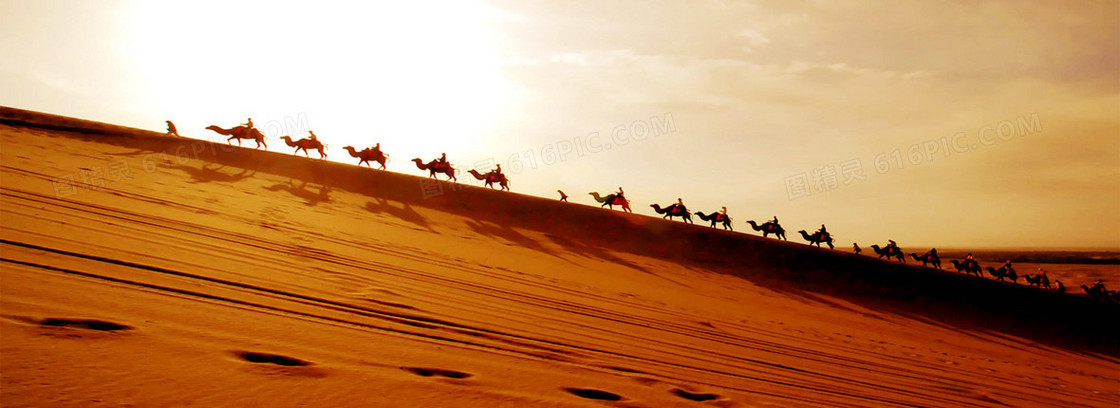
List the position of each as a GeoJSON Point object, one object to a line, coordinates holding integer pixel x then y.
{"type": "Point", "coordinates": [87, 324]}
{"type": "Point", "coordinates": [435, 372]}
{"type": "Point", "coordinates": [694, 396]}
{"type": "Point", "coordinates": [275, 364]}
{"type": "Point", "coordinates": [594, 394]}
{"type": "Point", "coordinates": [264, 358]}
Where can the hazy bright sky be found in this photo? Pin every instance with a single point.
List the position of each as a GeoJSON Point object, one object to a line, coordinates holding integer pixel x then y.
{"type": "Point", "coordinates": [751, 98]}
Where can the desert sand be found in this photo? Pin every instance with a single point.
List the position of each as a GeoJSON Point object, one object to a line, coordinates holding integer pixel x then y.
{"type": "Point", "coordinates": [179, 272]}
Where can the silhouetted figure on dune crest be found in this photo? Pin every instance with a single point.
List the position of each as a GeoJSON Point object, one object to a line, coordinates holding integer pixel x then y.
{"type": "Point", "coordinates": [612, 200]}
{"type": "Point", "coordinates": [367, 155]}
{"type": "Point", "coordinates": [306, 144]}
{"type": "Point", "coordinates": [969, 266]}
{"type": "Point", "coordinates": [491, 178]}
{"type": "Point", "coordinates": [674, 210]}
{"type": "Point", "coordinates": [240, 132]}
{"type": "Point", "coordinates": [817, 238]}
{"type": "Point", "coordinates": [769, 227]}
{"type": "Point", "coordinates": [928, 258]}
{"type": "Point", "coordinates": [440, 166]}
{"type": "Point", "coordinates": [1003, 272]}
{"type": "Point", "coordinates": [889, 252]}
{"type": "Point", "coordinates": [720, 217]}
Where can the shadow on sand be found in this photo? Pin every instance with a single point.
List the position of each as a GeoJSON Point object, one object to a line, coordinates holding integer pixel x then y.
{"type": "Point", "coordinates": [312, 198]}
{"type": "Point", "coordinates": [405, 212]}
{"type": "Point", "coordinates": [205, 174]}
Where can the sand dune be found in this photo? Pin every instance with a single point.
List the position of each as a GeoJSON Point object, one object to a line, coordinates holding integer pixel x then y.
{"type": "Point", "coordinates": [182, 272]}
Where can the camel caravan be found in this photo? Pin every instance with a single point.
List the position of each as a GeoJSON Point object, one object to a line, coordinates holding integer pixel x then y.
{"type": "Point", "coordinates": [495, 179]}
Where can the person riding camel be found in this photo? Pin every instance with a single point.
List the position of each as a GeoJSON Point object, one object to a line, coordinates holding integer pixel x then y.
{"type": "Point", "coordinates": [313, 137]}
{"type": "Point", "coordinates": [823, 231]}
{"type": "Point", "coordinates": [248, 125]}
{"type": "Point", "coordinates": [722, 214]}
{"type": "Point", "coordinates": [441, 162]}
{"type": "Point", "coordinates": [680, 209]}
{"type": "Point", "coordinates": [1007, 265]}
{"type": "Point", "coordinates": [932, 253]}
{"type": "Point", "coordinates": [497, 170]}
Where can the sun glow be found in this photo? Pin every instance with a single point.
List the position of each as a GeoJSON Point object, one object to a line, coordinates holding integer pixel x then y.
{"type": "Point", "coordinates": [419, 77]}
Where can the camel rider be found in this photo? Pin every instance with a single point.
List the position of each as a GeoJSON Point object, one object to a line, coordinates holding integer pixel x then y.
{"type": "Point", "coordinates": [1007, 265]}
{"type": "Point", "coordinates": [620, 193]}
{"type": "Point", "coordinates": [680, 206]}
{"type": "Point", "coordinates": [969, 257]}
{"type": "Point", "coordinates": [441, 163]}
{"type": "Point", "coordinates": [892, 244]}
{"type": "Point", "coordinates": [722, 214]}
{"type": "Point", "coordinates": [932, 253]}
{"type": "Point", "coordinates": [248, 124]}
{"type": "Point", "coordinates": [823, 231]}
{"type": "Point", "coordinates": [497, 170]}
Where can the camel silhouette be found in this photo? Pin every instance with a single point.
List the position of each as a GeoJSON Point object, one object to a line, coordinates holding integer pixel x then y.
{"type": "Point", "coordinates": [673, 211]}
{"type": "Point", "coordinates": [716, 217]}
{"type": "Point", "coordinates": [491, 178]}
{"type": "Point", "coordinates": [612, 200]}
{"type": "Point", "coordinates": [367, 155]}
{"type": "Point", "coordinates": [1003, 272]}
{"type": "Point", "coordinates": [1038, 281]}
{"type": "Point", "coordinates": [306, 144]}
{"type": "Point", "coordinates": [968, 266]}
{"type": "Point", "coordinates": [927, 259]}
{"type": "Point", "coordinates": [769, 227]}
{"type": "Point", "coordinates": [893, 252]}
{"type": "Point", "coordinates": [817, 238]}
{"type": "Point", "coordinates": [433, 167]}
{"type": "Point", "coordinates": [239, 133]}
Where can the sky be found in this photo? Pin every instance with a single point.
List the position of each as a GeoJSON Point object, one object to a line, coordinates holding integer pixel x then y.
{"type": "Point", "coordinates": [933, 123]}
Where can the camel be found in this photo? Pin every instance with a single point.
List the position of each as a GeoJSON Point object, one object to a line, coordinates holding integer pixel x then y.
{"type": "Point", "coordinates": [1098, 291]}
{"type": "Point", "coordinates": [306, 144]}
{"type": "Point", "coordinates": [433, 168]}
{"type": "Point", "coordinates": [968, 266]}
{"type": "Point", "coordinates": [927, 259]}
{"type": "Point", "coordinates": [673, 211]}
{"type": "Point", "coordinates": [238, 132]}
{"type": "Point", "coordinates": [1037, 280]}
{"type": "Point", "coordinates": [716, 217]}
{"type": "Point", "coordinates": [817, 238]}
{"type": "Point", "coordinates": [1003, 272]}
{"type": "Point", "coordinates": [894, 252]}
{"type": "Point", "coordinates": [491, 178]}
{"type": "Point", "coordinates": [612, 200]}
{"type": "Point", "coordinates": [769, 227]}
{"type": "Point", "coordinates": [367, 155]}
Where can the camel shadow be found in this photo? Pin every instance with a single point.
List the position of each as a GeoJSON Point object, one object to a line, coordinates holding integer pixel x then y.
{"type": "Point", "coordinates": [205, 174]}
{"type": "Point", "coordinates": [404, 212]}
{"type": "Point", "coordinates": [588, 251]}
{"type": "Point", "coordinates": [301, 191]}
{"type": "Point", "coordinates": [508, 234]}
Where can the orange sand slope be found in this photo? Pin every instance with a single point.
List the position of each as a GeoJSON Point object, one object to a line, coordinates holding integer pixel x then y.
{"type": "Point", "coordinates": [179, 272]}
